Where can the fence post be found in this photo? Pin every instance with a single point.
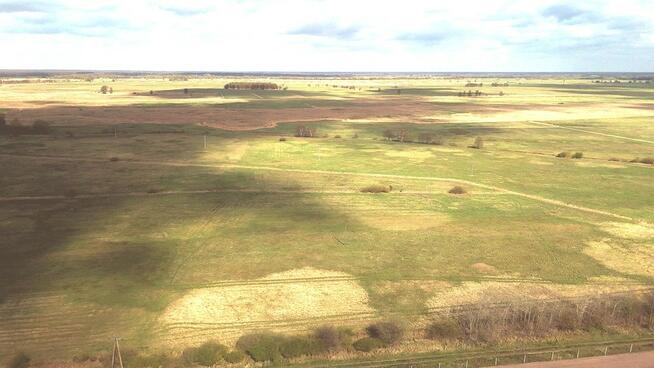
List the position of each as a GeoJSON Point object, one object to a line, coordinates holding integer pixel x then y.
{"type": "Point", "coordinates": [466, 363]}
{"type": "Point", "coordinates": [606, 350]}
{"type": "Point", "coordinates": [495, 360]}
{"type": "Point", "coordinates": [631, 348]}
{"type": "Point", "coordinates": [552, 358]}
{"type": "Point", "coordinates": [524, 358]}
{"type": "Point", "coordinates": [577, 353]}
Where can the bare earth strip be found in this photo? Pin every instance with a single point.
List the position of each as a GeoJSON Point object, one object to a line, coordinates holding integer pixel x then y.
{"type": "Point", "coordinates": [592, 132]}
{"type": "Point", "coordinates": [634, 360]}
{"type": "Point", "coordinates": [348, 173]}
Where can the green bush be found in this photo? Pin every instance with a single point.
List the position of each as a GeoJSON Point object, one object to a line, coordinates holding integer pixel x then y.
{"type": "Point", "coordinates": [261, 347]}
{"type": "Point", "coordinates": [234, 357]}
{"type": "Point", "coordinates": [388, 332]}
{"type": "Point", "coordinates": [457, 190]}
{"type": "Point", "coordinates": [367, 344]}
{"type": "Point", "coordinates": [20, 360]}
{"type": "Point", "coordinates": [563, 154]}
{"type": "Point", "coordinates": [375, 188]}
{"type": "Point", "coordinates": [444, 329]}
{"type": "Point", "coordinates": [293, 347]}
{"type": "Point", "coordinates": [209, 353]}
{"type": "Point", "coordinates": [578, 155]}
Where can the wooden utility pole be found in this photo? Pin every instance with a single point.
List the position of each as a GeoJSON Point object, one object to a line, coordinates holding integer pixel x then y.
{"type": "Point", "coordinates": [116, 353]}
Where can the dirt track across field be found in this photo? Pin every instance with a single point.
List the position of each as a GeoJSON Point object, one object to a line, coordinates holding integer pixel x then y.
{"type": "Point", "coordinates": [554, 202]}
{"type": "Point", "coordinates": [634, 360]}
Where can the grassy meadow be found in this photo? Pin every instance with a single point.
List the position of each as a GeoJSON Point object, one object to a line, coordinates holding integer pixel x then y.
{"type": "Point", "coordinates": [119, 222]}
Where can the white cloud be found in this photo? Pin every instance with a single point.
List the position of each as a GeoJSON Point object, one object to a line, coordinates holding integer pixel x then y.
{"type": "Point", "coordinates": [328, 35]}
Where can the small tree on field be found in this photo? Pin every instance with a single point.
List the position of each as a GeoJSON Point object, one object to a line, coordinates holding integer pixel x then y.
{"type": "Point", "coordinates": [303, 131]}
{"type": "Point", "coordinates": [104, 90]}
{"type": "Point", "coordinates": [388, 134]}
{"type": "Point", "coordinates": [478, 144]}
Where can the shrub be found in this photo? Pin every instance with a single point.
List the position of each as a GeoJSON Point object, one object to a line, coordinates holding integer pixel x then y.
{"type": "Point", "coordinates": [20, 360]}
{"type": "Point", "coordinates": [332, 338]}
{"type": "Point", "coordinates": [261, 347]}
{"type": "Point", "coordinates": [293, 347]}
{"type": "Point", "coordinates": [647, 160]}
{"type": "Point", "coordinates": [234, 357]}
{"type": "Point", "coordinates": [478, 144]}
{"type": "Point", "coordinates": [282, 139]}
{"type": "Point", "coordinates": [614, 159]}
{"type": "Point", "coordinates": [563, 154]}
{"type": "Point", "coordinates": [444, 329]}
{"type": "Point", "coordinates": [81, 358]}
{"type": "Point", "coordinates": [367, 344]}
{"type": "Point", "coordinates": [375, 188]}
{"type": "Point", "coordinates": [209, 353]}
{"type": "Point", "coordinates": [188, 356]}
{"type": "Point", "coordinates": [457, 190]}
{"type": "Point", "coordinates": [114, 159]}
{"type": "Point", "coordinates": [578, 155]}
{"type": "Point", "coordinates": [337, 136]}
{"type": "Point", "coordinates": [388, 332]}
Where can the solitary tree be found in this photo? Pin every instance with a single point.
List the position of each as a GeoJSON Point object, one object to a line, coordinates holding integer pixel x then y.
{"type": "Point", "coordinates": [104, 90]}
{"type": "Point", "coordinates": [479, 143]}
{"type": "Point", "coordinates": [388, 134]}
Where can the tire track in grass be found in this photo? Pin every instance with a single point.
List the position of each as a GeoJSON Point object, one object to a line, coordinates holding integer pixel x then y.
{"type": "Point", "coordinates": [592, 132]}
{"type": "Point", "coordinates": [534, 197]}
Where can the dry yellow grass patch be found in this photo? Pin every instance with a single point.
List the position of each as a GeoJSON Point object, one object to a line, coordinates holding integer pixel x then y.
{"type": "Point", "coordinates": [403, 222]}
{"type": "Point", "coordinates": [506, 292]}
{"type": "Point", "coordinates": [599, 164]}
{"type": "Point", "coordinates": [635, 259]}
{"type": "Point", "coordinates": [542, 163]}
{"type": "Point", "coordinates": [298, 295]}
{"type": "Point", "coordinates": [627, 230]}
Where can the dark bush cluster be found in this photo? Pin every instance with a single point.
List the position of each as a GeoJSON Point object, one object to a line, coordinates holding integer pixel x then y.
{"type": "Point", "coordinates": [645, 160]}
{"type": "Point", "coordinates": [380, 334]}
{"type": "Point", "coordinates": [376, 188]}
{"type": "Point", "coordinates": [457, 190]}
{"type": "Point", "coordinates": [271, 347]}
{"type": "Point", "coordinates": [207, 354]}
{"type": "Point", "coordinates": [251, 85]}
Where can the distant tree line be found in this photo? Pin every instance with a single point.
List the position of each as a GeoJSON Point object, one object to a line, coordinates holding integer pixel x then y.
{"type": "Point", "coordinates": [470, 93]}
{"type": "Point", "coordinates": [251, 85]}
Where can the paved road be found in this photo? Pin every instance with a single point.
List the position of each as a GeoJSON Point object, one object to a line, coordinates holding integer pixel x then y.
{"type": "Point", "coordinates": [635, 360]}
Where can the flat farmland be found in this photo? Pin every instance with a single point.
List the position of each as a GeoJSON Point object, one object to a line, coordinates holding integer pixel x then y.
{"type": "Point", "coordinates": [122, 221]}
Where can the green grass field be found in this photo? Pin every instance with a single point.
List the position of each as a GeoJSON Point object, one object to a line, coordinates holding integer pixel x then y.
{"type": "Point", "coordinates": [169, 243]}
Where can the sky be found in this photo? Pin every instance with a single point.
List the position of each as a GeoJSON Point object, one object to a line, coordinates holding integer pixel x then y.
{"type": "Point", "coordinates": [329, 35]}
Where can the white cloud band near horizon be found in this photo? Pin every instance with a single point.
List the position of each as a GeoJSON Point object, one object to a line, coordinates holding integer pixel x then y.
{"type": "Point", "coordinates": [329, 35]}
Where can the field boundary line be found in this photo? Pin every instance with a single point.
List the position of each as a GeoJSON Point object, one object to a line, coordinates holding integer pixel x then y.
{"type": "Point", "coordinates": [346, 173]}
